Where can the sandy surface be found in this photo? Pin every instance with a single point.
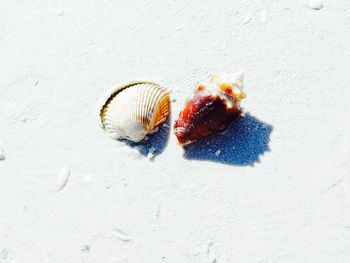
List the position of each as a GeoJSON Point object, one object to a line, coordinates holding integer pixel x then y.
{"type": "Point", "coordinates": [273, 188]}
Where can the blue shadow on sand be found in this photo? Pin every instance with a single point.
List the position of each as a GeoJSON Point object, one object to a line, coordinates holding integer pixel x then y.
{"type": "Point", "coordinates": [156, 142]}
{"type": "Point", "coordinates": [241, 144]}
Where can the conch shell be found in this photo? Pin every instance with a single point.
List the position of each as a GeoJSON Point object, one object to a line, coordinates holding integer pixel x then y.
{"type": "Point", "coordinates": [212, 108]}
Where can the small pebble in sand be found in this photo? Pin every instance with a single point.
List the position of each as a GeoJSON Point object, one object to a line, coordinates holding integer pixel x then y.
{"type": "Point", "coordinates": [62, 178]}
{"type": "Point", "coordinates": [217, 153]}
{"type": "Point", "coordinates": [315, 4]}
{"type": "Point", "coordinates": [151, 153]}
{"type": "Point", "coordinates": [210, 244]}
{"type": "Point", "coordinates": [121, 235]}
{"type": "Point", "coordinates": [247, 18]}
{"type": "Point", "coordinates": [85, 248]}
{"type": "Point", "coordinates": [2, 155]}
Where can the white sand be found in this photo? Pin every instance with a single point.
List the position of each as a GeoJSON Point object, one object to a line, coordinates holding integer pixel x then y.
{"type": "Point", "coordinates": [57, 57]}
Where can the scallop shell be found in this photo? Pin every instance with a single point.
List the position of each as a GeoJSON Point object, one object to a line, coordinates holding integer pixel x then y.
{"type": "Point", "coordinates": [132, 111]}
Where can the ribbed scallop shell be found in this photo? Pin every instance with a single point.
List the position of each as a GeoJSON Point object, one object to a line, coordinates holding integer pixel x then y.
{"type": "Point", "coordinates": [135, 110]}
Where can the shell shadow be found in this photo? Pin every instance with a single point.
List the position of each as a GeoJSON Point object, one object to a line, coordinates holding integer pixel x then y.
{"type": "Point", "coordinates": [156, 142]}
{"type": "Point", "coordinates": [241, 144]}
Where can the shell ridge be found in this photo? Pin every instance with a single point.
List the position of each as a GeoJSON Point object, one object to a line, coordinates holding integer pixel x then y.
{"type": "Point", "coordinates": [153, 111]}
{"type": "Point", "coordinates": [134, 110]}
{"type": "Point", "coordinates": [158, 114]}
{"type": "Point", "coordinates": [150, 109]}
{"type": "Point", "coordinates": [145, 108]}
{"type": "Point", "coordinates": [114, 93]}
{"type": "Point", "coordinates": [163, 109]}
{"type": "Point", "coordinates": [141, 106]}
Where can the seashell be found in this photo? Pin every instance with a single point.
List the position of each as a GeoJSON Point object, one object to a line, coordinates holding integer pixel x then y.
{"type": "Point", "coordinates": [315, 4]}
{"type": "Point", "coordinates": [134, 110]}
{"type": "Point", "coordinates": [2, 153]}
{"type": "Point", "coordinates": [212, 108]}
{"type": "Point", "coordinates": [2, 156]}
{"type": "Point", "coordinates": [62, 178]}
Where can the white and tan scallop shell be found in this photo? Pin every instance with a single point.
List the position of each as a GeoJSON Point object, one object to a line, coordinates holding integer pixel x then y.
{"type": "Point", "coordinates": [135, 110]}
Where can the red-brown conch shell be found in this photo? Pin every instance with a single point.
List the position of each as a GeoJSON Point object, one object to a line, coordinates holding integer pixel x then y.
{"type": "Point", "coordinates": [212, 108]}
